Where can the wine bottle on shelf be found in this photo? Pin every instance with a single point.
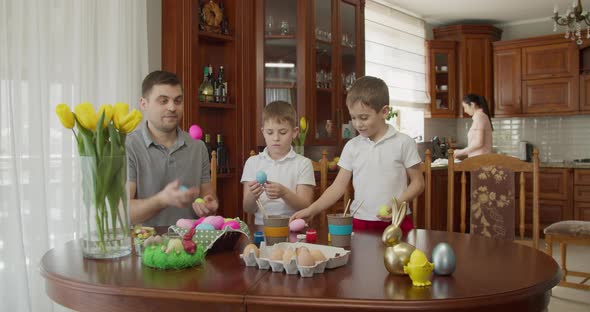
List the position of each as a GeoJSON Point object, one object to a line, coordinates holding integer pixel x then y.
{"type": "Point", "coordinates": [212, 80]}
{"type": "Point", "coordinates": [206, 88]}
{"type": "Point", "coordinates": [208, 144]}
{"type": "Point", "coordinates": [220, 85]}
{"type": "Point", "coordinates": [222, 155]}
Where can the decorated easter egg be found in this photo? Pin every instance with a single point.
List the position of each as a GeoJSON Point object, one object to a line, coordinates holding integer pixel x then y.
{"type": "Point", "coordinates": [383, 211]}
{"type": "Point", "coordinates": [216, 221]}
{"type": "Point", "coordinates": [199, 200]}
{"type": "Point", "coordinates": [251, 248]}
{"type": "Point", "coordinates": [205, 227]}
{"type": "Point", "coordinates": [228, 219]}
{"type": "Point", "coordinates": [233, 224]}
{"type": "Point", "coordinates": [261, 177]}
{"type": "Point", "coordinates": [444, 259]}
{"type": "Point", "coordinates": [185, 223]}
{"type": "Point", "coordinates": [183, 188]}
{"type": "Point", "coordinates": [200, 220]}
{"type": "Point", "coordinates": [195, 132]}
{"type": "Point", "coordinates": [297, 225]}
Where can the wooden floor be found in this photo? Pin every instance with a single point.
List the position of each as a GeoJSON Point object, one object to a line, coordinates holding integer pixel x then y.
{"type": "Point", "coordinates": [567, 299]}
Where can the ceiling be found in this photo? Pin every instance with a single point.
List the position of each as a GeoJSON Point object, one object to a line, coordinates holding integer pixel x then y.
{"type": "Point", "coordinates": [443, 12]}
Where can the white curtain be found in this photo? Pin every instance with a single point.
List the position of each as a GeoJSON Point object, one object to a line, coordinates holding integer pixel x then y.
{"type": "Point", "coordinates": [54, 51]}
{"type": "Point", "coordinates": [395, 52]}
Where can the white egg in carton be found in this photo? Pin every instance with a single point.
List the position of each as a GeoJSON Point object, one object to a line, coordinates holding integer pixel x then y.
{"type": "Point", "coordinates": [336, 257]}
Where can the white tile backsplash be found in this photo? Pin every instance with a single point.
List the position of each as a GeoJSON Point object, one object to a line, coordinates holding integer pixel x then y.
{"type": "Point", "coordinates": [557, 138]}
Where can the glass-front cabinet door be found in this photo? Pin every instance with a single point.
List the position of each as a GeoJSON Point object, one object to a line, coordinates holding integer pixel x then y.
{"type": "Point", "coordinates": [325, 127]}
{"type": "Point", "coordinates": [441, 76]}
{"type": "Point", "coordinates": [280, 51]}
{"type": "Point", "coordinates": [308, 52]}
{"type": "Point", "coordinates": [349, 60]}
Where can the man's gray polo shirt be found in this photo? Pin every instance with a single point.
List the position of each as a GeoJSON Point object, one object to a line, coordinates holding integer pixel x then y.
{"type": "Point", "coordinates": [152, 166]}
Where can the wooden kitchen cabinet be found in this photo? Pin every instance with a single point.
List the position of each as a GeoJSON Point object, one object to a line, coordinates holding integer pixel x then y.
{"type": "Point", "coordinates": [507, 82]}
{"type": "Point", "coordinates": [550, 61]}
{"type": "Point", "coordinates": [474, 59]}
{"type": "Point", "coordinates": [554, 95]}
{"type": "Point", "coordinates": [582, 194]}
{"type": "Point", "coordinates": [585, 92]}
{"type": "Point", "coordinates": [536, 77]}
{"type": "Point", "coordinates": [441, 83]}
{"type": "Point", "coordinates": [186, 50]}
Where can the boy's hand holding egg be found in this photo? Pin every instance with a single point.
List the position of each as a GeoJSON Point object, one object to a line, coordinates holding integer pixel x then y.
{"type": "Point", "coordinates": [255, 188]}
{"type": "Point", "coordinates": [384, 213]}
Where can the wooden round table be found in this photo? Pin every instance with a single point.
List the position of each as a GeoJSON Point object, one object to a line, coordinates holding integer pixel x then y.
{"type": "Point", "coordinates": [491, 275]}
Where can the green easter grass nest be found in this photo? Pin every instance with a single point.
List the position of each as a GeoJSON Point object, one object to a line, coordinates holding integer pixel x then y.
{"type": "Point", "coordinates": [154, 257]}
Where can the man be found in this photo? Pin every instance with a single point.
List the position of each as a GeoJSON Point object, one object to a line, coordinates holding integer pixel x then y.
{"type": "Point", "coordinates": [167, 169]}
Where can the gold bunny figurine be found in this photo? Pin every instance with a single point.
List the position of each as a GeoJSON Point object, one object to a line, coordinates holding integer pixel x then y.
{"type": "Point", "coordinates": [397, 254]}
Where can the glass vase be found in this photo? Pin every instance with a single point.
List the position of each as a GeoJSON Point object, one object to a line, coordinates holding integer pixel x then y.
{"type": "Point", "coordinates": [299, 149]}
{"type": "Point", "coordinates": [104, 213]}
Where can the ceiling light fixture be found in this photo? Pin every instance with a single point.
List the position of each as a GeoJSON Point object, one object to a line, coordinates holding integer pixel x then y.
{"type": "Point", "coordinates": [573, 19]}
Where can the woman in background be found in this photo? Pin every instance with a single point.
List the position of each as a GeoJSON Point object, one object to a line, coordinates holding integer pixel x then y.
{"type": "Point", "coordinates": [479, 137]}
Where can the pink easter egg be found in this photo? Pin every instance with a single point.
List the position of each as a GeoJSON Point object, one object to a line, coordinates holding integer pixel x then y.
{"type": "Point", "coordinates": [185, 223]}
{"type": "Point", "coordinates": [232, 224]}
{"type": "Point", "coordinates": [297, 225]}
{"type": "Point", "coordinates": [216, 221]}
{"type": "Point", "coordinates": [195, 132]}
{"type": "Point", "coordinates": [200, 220]}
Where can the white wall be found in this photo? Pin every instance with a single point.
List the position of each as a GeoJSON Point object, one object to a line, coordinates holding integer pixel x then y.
{"type": "Point", "coordinates": [528, 29]}
{"type": "Point", "coordinates": [154, 32]}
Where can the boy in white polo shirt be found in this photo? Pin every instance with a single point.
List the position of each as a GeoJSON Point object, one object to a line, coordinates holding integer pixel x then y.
{"type": "Point", "coordinates": [290, 178]}
{"type": "Point", "coordinates": [380, 160]}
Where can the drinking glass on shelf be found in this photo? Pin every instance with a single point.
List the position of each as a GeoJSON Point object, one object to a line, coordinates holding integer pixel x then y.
{"type": "Point", "coordinates": [270, 24]}
{"type": "Point", "coordinates": [284, 27]}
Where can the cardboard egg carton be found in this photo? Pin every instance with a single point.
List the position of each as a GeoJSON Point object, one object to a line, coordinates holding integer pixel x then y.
{"type": "Point", "coordinates": [336, 257]}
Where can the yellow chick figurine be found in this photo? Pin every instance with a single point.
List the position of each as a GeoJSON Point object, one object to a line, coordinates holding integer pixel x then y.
{"type": "Point", "coordinates": [419, 269]}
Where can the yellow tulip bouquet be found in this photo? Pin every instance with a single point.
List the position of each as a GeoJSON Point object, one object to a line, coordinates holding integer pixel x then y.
{"type": "Point", "coordinates": [300, 139]}
{"type": "Point", "coordinates": [101, 145]}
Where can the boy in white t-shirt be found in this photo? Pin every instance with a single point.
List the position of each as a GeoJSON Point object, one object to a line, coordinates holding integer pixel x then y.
{"type": "Point", "coordinates": [380, 160]}
{"type": "Point", "coordinates": [290, 177]}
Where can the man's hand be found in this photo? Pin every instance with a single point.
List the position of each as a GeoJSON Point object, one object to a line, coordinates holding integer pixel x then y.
{"type": "Point", "coordinates": [209, 207]}
{"type": "Point", "coordinates": [275, 190]}
{"type": "Point", "coordinates": [173, 196]}
{"type": "Point", "coordinates": [255, 188]}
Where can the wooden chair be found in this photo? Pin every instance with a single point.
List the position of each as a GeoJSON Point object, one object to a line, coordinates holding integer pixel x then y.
{"type": "Point", "coordinates": [425, 167]}
{"type": "Point", "coordinates": [497, 160]}
{"type": "Point", "coordinates": [568, 232]}
{"type": "Point", "coordinates": [322, 167]}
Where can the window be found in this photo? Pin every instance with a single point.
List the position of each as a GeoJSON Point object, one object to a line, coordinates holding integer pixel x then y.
{"type": "Point", "coordinates": [395, 52]}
